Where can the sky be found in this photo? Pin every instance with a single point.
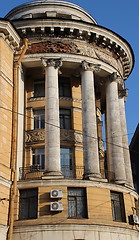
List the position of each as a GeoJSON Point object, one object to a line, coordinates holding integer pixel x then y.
{"type": "Point", "coordinates": [122, 17]}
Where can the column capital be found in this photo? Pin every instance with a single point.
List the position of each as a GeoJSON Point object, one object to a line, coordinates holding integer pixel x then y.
{"type": "Point", "coordinates": [51, 62]}
{"type": "Point", "coordinates": [123, 93]}
{"type": "Point", "coordinates": [90, 66]}
{"type": "Point", "coordinates": [114, 77]}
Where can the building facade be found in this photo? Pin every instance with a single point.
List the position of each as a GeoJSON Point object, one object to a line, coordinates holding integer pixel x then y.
{"type": "Point", "coordinates": [62, 81]}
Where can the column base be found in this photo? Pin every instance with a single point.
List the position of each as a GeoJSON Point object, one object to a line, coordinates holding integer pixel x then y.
{"type": "Point", "coordinates": [90, 176]}
{"type": "Point", "coordinates": [121, 182]}
{"type": "Point", "coordinates": [52, 175]}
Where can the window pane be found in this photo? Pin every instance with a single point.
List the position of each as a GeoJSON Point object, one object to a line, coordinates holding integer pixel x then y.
{"type": "Point", "coordinates": [39, 119]}
{"type": "Point", "coordinates": [118, 210]}
{"type": "Point", "coordinates": [28, 204]}
{"type": "Point", "coordinates": [39, 88]}
{"type": "Point", "coordinates": [77, 205]}
{"type": "Point", "coordinates": [65, 118]}
{"type": "Point", "coordinates": [64, 87]}
{"type": "Point", "coordinates": [38, 157]}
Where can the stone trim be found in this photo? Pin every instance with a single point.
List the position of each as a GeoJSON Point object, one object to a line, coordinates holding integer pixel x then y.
{"type": "Point", "coordinates": [6, 78]}
{"type": "Point", "coordinates": [5, 182]}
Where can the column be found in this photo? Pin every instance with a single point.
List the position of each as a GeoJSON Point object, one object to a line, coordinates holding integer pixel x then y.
{"type": "Point", "coordinates": [52, 126]}
{"type": "Point", "coordinates": [90, 138]}
{"type": "Point", "coordinates": [122, 99]}
{"type": "Point", "coordinates": [114, 135]}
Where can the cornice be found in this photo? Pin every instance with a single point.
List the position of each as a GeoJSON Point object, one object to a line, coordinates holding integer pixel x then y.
{"type": "Point", "coordinates": [100, 36]}
{"type": "Point", "coordinates": [8, 33]}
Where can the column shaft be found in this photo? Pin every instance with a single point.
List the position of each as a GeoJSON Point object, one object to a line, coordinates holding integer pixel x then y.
{"type": "Point", "coordinates": [90, 139]}
{"type": "Point", "coordinates": [114, 134]}
{"type": "Point", "coordinates": [128, 170]}
{"type": "Point", "coordinates": [52, 127]}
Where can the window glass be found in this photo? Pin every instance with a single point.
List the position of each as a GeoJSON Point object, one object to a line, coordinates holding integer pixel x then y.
{"type": "Point", "coordinates": [64, 87]}
{"type": "Point", "coordinates": [117, 203]}
{"type": "Point", "coordinates": [38, 158]}
{"type": "Point", "coordinates": [77, 204]}
{"type": "Point", "coordinates": [65, 118]}
{"type": "Point", "coordinates": [39, 119]}
{"type": "Point", "coordinates": [39, 88]}
{"type": "Point", "coordinates": [66, 162]}
{"type": "Point", "coordinates": [28, 203]}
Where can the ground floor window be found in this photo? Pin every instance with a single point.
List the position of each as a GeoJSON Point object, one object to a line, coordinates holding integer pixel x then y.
{"type": "Point", "coordinates": [28, 203]}
{"type": "Point", "coordinates": [77, 203]}
{"type": "Point", "coordinates": [118, 209]}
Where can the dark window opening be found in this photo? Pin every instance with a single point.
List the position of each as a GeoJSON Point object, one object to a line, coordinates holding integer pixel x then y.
{"type": "Point", "coordinates": [77, 203]}
{"type": "Point", "coordinates": [65, 118]}
{"type": "Point", "coordinates": [28, 203]}
{"type": "Point", "coordinates": [118, 209]}
{"type": "Point", "coordinates": [64, 87]}
{"type": "Point", "coordinates": [39, 88]}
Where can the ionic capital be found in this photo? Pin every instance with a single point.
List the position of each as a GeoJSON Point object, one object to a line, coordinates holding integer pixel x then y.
{"type": "Point", "coordinates": [56, 63]}
{"type": "Point", "coordinates": [90, 66]}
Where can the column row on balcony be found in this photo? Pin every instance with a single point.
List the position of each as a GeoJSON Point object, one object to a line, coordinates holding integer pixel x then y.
{"type": "Point", "coordinates": [117, 145]}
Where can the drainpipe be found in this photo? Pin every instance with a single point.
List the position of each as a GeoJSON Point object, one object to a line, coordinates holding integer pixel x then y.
{"type": "Point", "coordinates": [14, 142]}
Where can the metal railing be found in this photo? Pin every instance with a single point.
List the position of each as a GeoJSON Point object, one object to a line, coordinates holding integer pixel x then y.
{"type": "Point", "coordinates": [36, 172]}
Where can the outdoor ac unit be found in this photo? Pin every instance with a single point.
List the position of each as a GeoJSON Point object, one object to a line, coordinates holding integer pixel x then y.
{"type": "Point", "coordinates": [134, 220]}
{"type": "Point", "coordinates": [56, 206]}
{"type": "Point", "coordinates": [56, 193]}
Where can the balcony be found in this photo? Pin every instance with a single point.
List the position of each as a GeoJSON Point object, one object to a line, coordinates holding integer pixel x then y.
{"type": "Point", "coordinates": [35, 172]}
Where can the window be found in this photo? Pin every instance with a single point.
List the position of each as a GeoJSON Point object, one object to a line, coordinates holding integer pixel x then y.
{"type": "Point", "coordinates": [118, 210]}
{"type": "Point", "coordinates": [64, 87]}
{"type": "Point", "coordinates": [77, 204]}
{"type": "Point", "coordinates": [38, 158]}
{"type": "Point", "coordinates": [28, 203]}
{"type": "Point", "coordinates": [39, 119]}
{"type": "Point", "coordinates": [65, 118]}
{"type": "Point", "coordinates": [39, 88]}
{"type": "Point", "coordinates": [66, 162]}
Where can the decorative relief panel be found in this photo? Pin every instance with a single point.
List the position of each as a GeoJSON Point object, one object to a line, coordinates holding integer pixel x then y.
{"type": "Point", "coordinates": [36, 136]}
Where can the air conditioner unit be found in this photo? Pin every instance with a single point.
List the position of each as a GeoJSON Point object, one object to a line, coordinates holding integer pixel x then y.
{"type": "Point", "coordinates": [134, 220]}
{"type": "Point", "coordinates": [56, 206]}
{"type": "Point", "coordinates": [56, 193]}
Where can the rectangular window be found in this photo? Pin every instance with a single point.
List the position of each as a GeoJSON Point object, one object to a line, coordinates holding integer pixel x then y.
{"type": "Point", "coordinates": [118, 209]}
{"type": "Point", "coordinates": [77, 204]}
{"type": "Point", "coordinates": [65, 118]}
{"type": "Point", "coordinates": [64, 87]}
{"type": "Point", "coordinates": [28, 203]}
{"type": "Point", "coordinates": [39, 88]}
{"type": "Point", "coordinates": [38, 159]}
{"type": "Point", "coordinates": [66, 162]}
{"type": "Point", "coordinates": [39, 119]}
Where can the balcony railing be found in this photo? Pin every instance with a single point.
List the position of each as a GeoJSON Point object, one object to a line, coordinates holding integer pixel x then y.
{"type": "Point", "coordinates": [35, 172]}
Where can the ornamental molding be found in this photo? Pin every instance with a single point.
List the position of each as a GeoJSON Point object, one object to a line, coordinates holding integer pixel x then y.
{"type": "Point", "coordinates": [71, 136]}
{"type": "Point", "coordinates": [123, 93]}
{"type": "Point", "coordinates": [51, 62]}
{"type": "Point", "coordinates": [6, 78]}
{"type": "Point", "coordinates": [90, 66]}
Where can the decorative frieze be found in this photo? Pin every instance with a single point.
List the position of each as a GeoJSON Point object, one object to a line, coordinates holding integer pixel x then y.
{"type": "Point", "coordinates": [90, 66]}
{"type": "Point", "coordinates": [36, 136]}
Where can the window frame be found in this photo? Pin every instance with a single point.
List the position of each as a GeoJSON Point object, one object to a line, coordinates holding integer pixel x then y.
{"type": "Point", "coordinates": [67, 169]}
{"type": "Point", "coordinates": [64, 87]}
{"type": "Point", "coordinates": [36, 156]}
{"type": "Point", "coordinates": [26, 204]}
{"type": "Point", "coordinates": [117, 204]}
{"type": "Point", "coordinates": [40, 120]}
{"type": "Point", "coordinates": [38, 82]}
{"type": "Point", "coordinates": [63, 118]}
{"type": "Point", "coordinates": [77, 199]}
